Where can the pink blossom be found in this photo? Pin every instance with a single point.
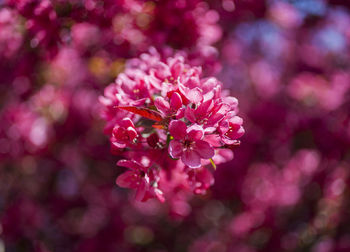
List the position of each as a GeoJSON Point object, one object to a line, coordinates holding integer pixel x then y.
{"type": "Point", "coordinates": [124, 133]}
{"type": "Point", "coordinates": [10, 36]}
{"type": "Point", "coordinates": [154, 93]}
{"type": "Point", "coordinates": [139, 178]}
{"type": "Point", "coordinates": [207, 113]}
{"type": "Point", "coordinates": [85, 35]}
{"type": "Point", "coordinates": [200, 180]}
{"type": "Point", "coordinates": [171, 108]}
{"type": "Point", "coordinates": [188, 144]}
{"type": "Point", "coordinates": [286, 61]}
{"type": "Point", "coordinates": [231, 129]}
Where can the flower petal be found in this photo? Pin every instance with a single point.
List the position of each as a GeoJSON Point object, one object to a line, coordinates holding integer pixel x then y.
{"type": "Point", "coordinates": [126, 123]}
{"type": "Point", "coordinates": [180, 113]}
{"type": "Point", "coordinates": [126, 179]}
{"type": "Point", "coordinates": [213, 139]}
{"type": "Point", "coordinates": [162, 70]}
{"type": "Point", "coordinates": [162, 105]}
{"type": "Point", "coordinates": [232, 101]}
{"type": "Point", "coordinates": [204, 149]}
{"type": "Point", "coordinates": [118, 144]}
{"type": "Point", "coordinates": [132, 133]}
{"type": "Point", "coordinates": [176, 68]}
{"type": "Point", "coordinates": [204, 108]}
{"type": "Point", "coordinates": [194, 95]}
{"type": "Point", "coordinates": [237, 133]}
{"type": "Point", "coordinates": [191, 159]}
{"type": "Point", "coordinates": [141, 190]}
{"type": "Point", "coordinates": [236, 120]}
{"type": "Point", "coordinates": [131, 164]}
{"type": "Point", "coordinates": [218, 113]}
{"type": "Point", "coordinates": [175, 149]}
{"type": "Point", "coordinates": [175, 101]}
{"type": "Point", "coordinates": [190, 114]}
{"type": "Point", "coordinates": [195, 132]}
{"type": "Point", "coordinates": [177, 129]}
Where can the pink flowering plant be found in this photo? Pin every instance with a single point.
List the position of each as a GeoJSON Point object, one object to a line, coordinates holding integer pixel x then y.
{"type": "Point", "coordinates": [161, 110]}
{"type": "Point", "coordinates": [168, 123]}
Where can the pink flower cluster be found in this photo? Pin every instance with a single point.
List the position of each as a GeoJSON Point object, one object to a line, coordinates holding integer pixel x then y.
{"type": "Point", "coordinates": [287, 62]}
{"type": "Point", "coordinates": [163, 109]}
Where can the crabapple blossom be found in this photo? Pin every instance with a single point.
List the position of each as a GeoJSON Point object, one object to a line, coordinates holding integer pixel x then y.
{"type": "Point", "coordinates": [138, 178]}
{"type": "Point", "coordinates": [231, 129]}
{"type": "Point", "coordinates": [285, 188]}
{"type": "Point", "coordinates": [124, 133]}
{"type": "Point", "coordinates": [188, 144]}
{"type": "Point", "coordinates": [165, 106]}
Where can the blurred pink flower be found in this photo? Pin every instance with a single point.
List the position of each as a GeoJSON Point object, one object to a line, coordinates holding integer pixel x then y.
{"type": "Point", "coordinates": [140, 179]}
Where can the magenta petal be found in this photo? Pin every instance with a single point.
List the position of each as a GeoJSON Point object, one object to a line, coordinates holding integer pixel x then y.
{"type": "Point", "coordinates": [210, 83]}
{"type": "Point", "coordinates": [204, 107]}
{"type": "Point", "coordinates": [118, 132]}
{"type": "Point", "coordinates": [126, 180]}
{"type": "Point", "coordinates": [131, 164]}
{"type": "Point", "coordinates": [228, 141]}
{"type": "Point", "coordinates": [194, 95]}
{"type": "Point", "coordinates": [240, 132]}
{"type": "Point", "coordinates": [226, 154]}
{"type": "Point", "coordinates": [175, 149]}
{"type": "Point", "coordinates": [213, 139]}
{"type": "Point", "coordinates": [205, 177]}
{"type": "Point", "coordinates": [237, 133]}
{"type": "Point", "coordinates": [177, 129]}
{"type": "Point", "coordinates": [191, 159]}
{"type": "Point", "coordinates": [218, 113]}
{"type": "Point", "coordinates": [195, 132]}
{"type": "Point", "coordinates": [162, 70]}
{"type": "Point", "coordinates": [232, 101]}
{"type": "Point", "coordinates": [176, 68]}
{"type": "Point", "coordinates": [224, 126]}
{"type": "Point", "coordinates": [175, 101]}
{"type": "Point", "coordinates": [180, 113]}
{"type": "Point", "coordinates": [126, 122]}
{"type": "Point", "coordinates": [190, 114]}
{"type": "Point", "coordinates": [162, 105]}
{"type": "Point", "coordinates": [209, 96]}
{"type": "Point", "coordinates": [204, 149]}
{"type": "Point", "coordinates": [141, 190]}
{"type": "Point", "coordinates": [236, 120]}
{"type": "Point", "coordinates": [132, 133]}
{"type": "Point", "coordinates": [118, 144]}
{"type": "Point", "coordinates": [209, 130]}
{"type": "Point", "coordinates": [138, 102]}
{"type": "Point", "coordinates": [215, 118]}
{"type": "Point", "coordinates": [224, 108]}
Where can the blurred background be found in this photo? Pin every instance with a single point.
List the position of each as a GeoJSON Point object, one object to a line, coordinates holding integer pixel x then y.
{"type": "Point", "coordinates": [287, 188]}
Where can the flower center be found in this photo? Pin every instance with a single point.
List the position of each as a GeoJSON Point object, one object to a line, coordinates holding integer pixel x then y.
{"type": "Point", "coordinates": [123, 135]}
{"type": "Point", "coordinates": [188, 144]}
